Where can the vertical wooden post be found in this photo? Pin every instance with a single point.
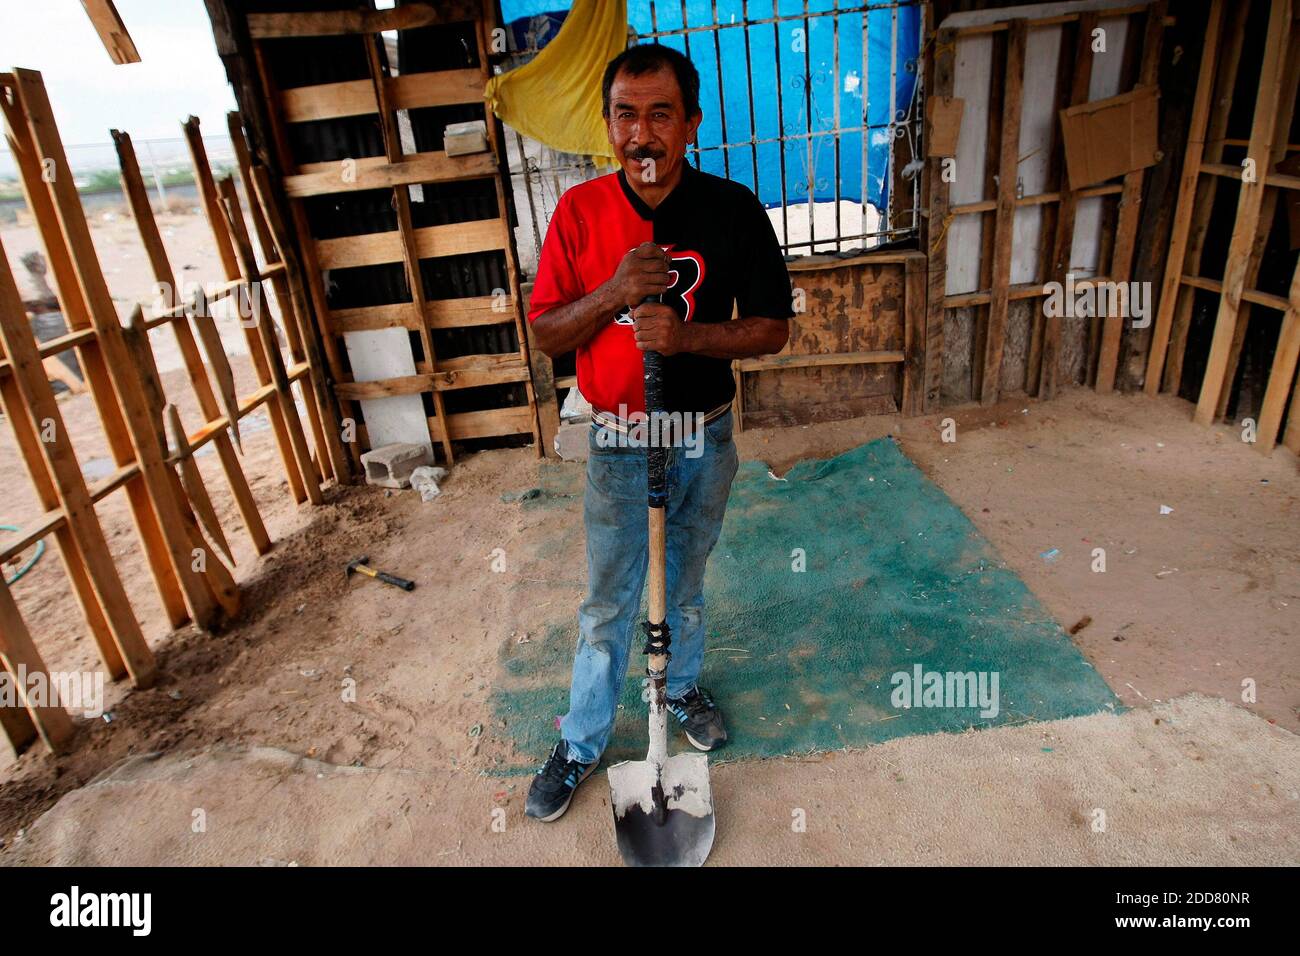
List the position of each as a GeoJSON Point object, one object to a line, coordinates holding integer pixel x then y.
{"type": "Point", "coordinates": [945, 52]}
{"type": "Point", "coordinates": [1130, 202]}
{"type": "Point", "coordinates": [1008, 172]}
{"type": "Point", "coordinates": [1192, 156]}
{"type": "Point", "coordinates": [913, 334]}
{"type": "Point", "coordinates": [1063, 240]}
{"type": "Point", "coordinates": [282, 240]}
{"type": "Point", "coordinates": [410, 257]}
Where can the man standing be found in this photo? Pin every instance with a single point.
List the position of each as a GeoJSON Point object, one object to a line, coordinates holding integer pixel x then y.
{"type": "Point", "coordinates": [702, 244]}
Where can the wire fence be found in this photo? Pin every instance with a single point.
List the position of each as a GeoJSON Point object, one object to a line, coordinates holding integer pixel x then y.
{"type": "Point", "coordinates": [165, 164]}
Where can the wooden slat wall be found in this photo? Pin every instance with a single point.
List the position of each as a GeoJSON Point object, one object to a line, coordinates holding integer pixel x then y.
{"type": "Point", "coordinates": [996, 291]}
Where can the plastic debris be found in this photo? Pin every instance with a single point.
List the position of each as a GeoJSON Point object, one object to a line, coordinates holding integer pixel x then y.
{"type": "Point", "coordinates": [425, 480]}
{"type": "Point", "coordinates": [1050, 556]}
{"type": "Point", "coordinates": [1166, 510]}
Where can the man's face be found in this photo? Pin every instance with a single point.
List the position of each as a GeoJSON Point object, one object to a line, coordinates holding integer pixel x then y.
{"type": "Point", "coordinates": [648, 126]}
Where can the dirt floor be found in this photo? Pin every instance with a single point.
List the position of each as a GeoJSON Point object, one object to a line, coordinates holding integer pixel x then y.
{"type": "Point", "coordinates": [379, 699]}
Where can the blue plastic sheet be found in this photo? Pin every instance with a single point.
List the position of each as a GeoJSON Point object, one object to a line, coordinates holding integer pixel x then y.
{"type": "Point", "coordinates": [801, 48]}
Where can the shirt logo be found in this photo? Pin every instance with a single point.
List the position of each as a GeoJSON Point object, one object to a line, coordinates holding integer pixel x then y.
{"type": "Point", "coordinates": [685, 273]}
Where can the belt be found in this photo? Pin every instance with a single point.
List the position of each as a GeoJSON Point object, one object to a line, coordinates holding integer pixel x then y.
{"type": "Point", "coordinates": [610, 420]}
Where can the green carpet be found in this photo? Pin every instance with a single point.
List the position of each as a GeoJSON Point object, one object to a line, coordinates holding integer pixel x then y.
{"type": "Point", "coordinates": [895, 577]}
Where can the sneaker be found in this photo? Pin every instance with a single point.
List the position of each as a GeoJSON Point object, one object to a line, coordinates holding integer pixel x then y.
{"type": "Point", "coordinates": [700, 718]}
{"type": "Point", "coordinates": [553, 787]}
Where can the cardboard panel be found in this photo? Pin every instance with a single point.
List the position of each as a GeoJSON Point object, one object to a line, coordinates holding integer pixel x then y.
{"type": "Point", "coordinates": [1110, 137]}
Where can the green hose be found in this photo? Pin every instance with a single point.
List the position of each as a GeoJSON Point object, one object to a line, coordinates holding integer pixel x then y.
{"type": "Point", "coordinates": [40, 550]}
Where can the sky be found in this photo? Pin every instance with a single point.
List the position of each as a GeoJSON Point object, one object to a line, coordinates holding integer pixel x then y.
{"type": "Point", "coordinates": [180, 73]}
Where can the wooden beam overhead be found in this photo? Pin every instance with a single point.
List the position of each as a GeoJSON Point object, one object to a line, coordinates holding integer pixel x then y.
{"type": "Point", "coordinates": [112, 31]}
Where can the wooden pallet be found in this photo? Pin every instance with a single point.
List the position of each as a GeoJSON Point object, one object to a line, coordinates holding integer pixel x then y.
{"type": "Point", "coordinates": [384, 96]}
{"type": "Point", "coordinates": [187, 550]}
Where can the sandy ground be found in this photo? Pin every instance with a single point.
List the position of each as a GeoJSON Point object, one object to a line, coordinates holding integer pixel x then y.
{"type": "Point", "coordinates": [1197, 601]}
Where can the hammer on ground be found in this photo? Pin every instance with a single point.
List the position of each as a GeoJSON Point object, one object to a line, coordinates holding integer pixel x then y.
{"type": "Point", "coordinates": [360, 564]}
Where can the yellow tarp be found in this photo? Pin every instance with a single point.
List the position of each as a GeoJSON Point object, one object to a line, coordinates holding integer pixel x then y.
{"type": "Point", "coordinates": [555, 98]}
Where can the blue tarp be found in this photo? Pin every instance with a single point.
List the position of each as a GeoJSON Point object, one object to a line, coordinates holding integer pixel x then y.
{"type": "Point", "coordinates": [817, 37]}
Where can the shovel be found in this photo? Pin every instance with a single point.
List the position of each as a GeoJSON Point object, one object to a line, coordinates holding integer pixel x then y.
{"type": "Point", "coordinates": [663, 807]}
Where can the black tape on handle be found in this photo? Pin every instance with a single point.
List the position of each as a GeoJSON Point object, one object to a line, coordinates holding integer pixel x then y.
{"type": "Point", "coordinates": [656, 453]}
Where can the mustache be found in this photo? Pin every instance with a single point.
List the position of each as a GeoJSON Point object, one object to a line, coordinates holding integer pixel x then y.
{"type": "Point", "coordinates": [645, 152]}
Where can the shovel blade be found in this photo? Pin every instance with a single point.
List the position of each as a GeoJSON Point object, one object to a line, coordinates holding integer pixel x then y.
{"type": "Point", "coordinates": [663, 815]}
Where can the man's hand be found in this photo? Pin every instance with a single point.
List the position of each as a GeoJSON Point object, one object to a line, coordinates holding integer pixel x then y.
{"type": "Point", "coordinates": [643, 272]}
{"type": "Point", "coordinates": [658, 329]}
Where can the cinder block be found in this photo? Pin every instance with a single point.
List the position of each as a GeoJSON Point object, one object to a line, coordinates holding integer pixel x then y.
{"type": "Point", "coordinates": [390, 466]}
{"type": "Point", "coordinates": [571, 441]}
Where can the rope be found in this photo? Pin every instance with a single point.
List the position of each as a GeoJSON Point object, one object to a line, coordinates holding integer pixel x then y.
{"type": "Point", "coordinates": [27, 566]}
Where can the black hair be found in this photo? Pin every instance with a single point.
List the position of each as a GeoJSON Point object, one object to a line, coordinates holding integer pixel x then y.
{"type": "Point", "coordinates": [650, 58]}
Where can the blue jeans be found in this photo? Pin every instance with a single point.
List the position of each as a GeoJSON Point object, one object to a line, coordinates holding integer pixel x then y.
{"type": "Point", "coordinates": [614, 512]}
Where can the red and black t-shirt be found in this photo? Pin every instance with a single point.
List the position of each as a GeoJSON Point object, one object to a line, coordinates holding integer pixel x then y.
{"type": "Point", "coordinates": [723, 252]}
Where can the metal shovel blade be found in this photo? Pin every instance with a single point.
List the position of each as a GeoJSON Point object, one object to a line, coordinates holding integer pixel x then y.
{"type": "Point", "coordinates": [663, 814]}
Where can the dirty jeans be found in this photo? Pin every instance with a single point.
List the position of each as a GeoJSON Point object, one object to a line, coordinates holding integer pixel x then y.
{"type": "Point", "coordinates": [609, 620]}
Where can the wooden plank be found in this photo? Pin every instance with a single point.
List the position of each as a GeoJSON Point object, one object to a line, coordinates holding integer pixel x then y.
{"type": "Point", "coordinates": [453, 239]}
{"type": "Point", "coordinates": [19, 655]}
{"type": "Point", "coordinates": [439, 314]}
{"type": "Point", "coordinates": [1285, 356]}
{"type": "Point", "coordinates": [1038, 199]}
{"type": "Point", "coordinates": [820, 361]}
{"type": "Point", "coordinates": [411, 91]}
{"type": "Point", "coordinates": [192, 480]}
{"type": "Point", "coordinates": [1130, 209]}
{"type": "Point", "coordinates": [385, 388]}
{"type": "Point", "coordinates": [484, 27]}
{"type": "Point", "coordinates": [208, 194]}
{"type": "Point", "coordinates": [1002, 25]}
{"type": "Point", "coordinates": [220, 227]}
{"type": "Point", "coordinates": [1054, 173]}
{"type": "Point", "coordinates": [945, 49]}
{"type": "Point", "coordinates": [503, 185]}
{"type": "Point", "coordinates": [376, 172]}
{"type": "Point", "coordinates": [913, 337]}
{"type": "Point", "coordinates": [1248, 210]}
{"type": "Point", "coordinates": [408, 16]}
{"type": "Point", "coordinates": [1254, 296]}
{"type": "Point", "coordinates": [37, 398]}
{"type": "Point", "coordinates": [112, 31]}
{"type": "Point", "coordinates": [300, 459]}
{"type": "Point", "coordinates": [159, 262]}
{"type": "Point", "coordinates": [1008, 172]}
{"type": "Point", "coordinates": [217, 580]}
{"type": "Point", "coordinates": [340, 464]}
{"type": "Point", "coordinates": [544, 388]}
{"type": "Point", "coordinates": [490, 423]}
{"type": "Point", "coordinates": [409, 240]}
{"type": "Point", "coordinates": [31, 161]}
{"type": "Point", "coordinates": [1186, 200]}
{"type": "Point", "coordinates": [1231, 40]}
{"type": "Point", "coordinates": [1063, 238]}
